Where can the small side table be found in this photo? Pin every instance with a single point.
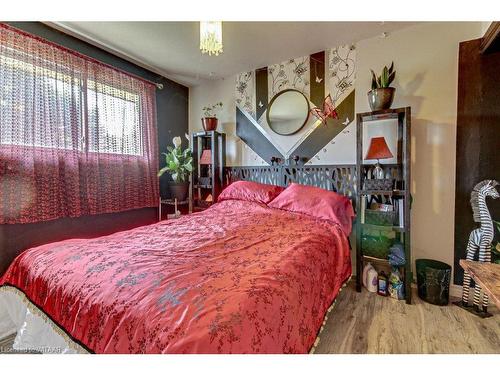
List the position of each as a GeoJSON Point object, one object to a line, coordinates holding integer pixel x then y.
{"type": "Point", "coordinates": [176, 204]}
{"type": "Point", "coordinates": [487, 275]}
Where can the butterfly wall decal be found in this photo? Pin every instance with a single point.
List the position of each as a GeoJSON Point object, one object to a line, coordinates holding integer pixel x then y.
{"type": "Point", "coordinates": [327, 111]}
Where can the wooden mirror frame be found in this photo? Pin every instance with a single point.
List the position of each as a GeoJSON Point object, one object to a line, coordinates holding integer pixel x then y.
{"type": "Point", "coordinates": [271, 104]}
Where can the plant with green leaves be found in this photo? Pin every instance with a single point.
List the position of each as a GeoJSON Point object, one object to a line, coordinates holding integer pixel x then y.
{"type": "Point", "coordinates": [179, 163]}
{"type": "Point", "coordinates": [210, 110]}
{"type": "Point", "coordinates": [385, 79]}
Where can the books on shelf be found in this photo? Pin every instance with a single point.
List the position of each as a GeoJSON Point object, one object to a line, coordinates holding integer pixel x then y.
{"type": "Point", "coordinates": [363, 208]}
{"type": "Point", "coordinates": [401, 214]}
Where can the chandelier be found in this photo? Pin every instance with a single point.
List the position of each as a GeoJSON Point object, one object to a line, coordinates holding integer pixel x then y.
{"type": "Point", "coordinates": [211, 37]}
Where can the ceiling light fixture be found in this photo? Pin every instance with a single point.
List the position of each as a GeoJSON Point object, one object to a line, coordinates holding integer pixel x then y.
{"type": "Point", "coordinates": [211, 37]}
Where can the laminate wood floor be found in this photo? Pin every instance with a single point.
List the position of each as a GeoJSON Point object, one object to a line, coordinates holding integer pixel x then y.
{"type": "Point", "coordinates": [367, 323]}
{"type": "Point", "coordinates": [6, 345]}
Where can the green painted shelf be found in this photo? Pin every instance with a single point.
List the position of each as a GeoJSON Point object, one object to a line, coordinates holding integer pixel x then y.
{"type": "Point", "coordinates": [382, 227]}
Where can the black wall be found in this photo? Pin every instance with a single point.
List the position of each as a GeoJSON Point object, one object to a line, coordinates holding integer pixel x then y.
{"type": "Point", "coordinates": [478, 138]}
{"type": "Point", "coordinates": [172, 120]}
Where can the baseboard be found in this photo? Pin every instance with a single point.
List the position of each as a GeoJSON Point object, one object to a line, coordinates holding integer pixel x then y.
{"type": "Point", "coordinates": [456, 290]}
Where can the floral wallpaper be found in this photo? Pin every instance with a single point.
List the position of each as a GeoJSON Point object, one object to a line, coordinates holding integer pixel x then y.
{"type": "Point", "coordinates": [341, 72]}
{"type": "Point", "coordinates": [296, 73]}
{"type": "Point", "coordinates": [290, 74]}
{"type": "Point", "coordinates": [245, 92]}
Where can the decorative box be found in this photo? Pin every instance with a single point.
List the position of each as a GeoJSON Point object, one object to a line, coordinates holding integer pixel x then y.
{"type": "Point", "coordinates": [379, 184]}
{"type": "Point", "coordinates": [377, 217]}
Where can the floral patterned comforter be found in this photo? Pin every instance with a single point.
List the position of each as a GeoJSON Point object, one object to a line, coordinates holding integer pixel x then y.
{"type": "Point", "coordinates": [236, 278]}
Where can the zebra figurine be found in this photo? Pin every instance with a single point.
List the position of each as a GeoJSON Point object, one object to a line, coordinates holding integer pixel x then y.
{"type": "Point", "coordinates": [480, 239]}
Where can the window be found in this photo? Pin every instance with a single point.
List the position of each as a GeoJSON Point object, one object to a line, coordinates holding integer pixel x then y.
{"type": "Point", "coordinates": [23, 112]}
{"type": "Point", "coordinates": [111, 114]}
{"type": "Point", "coordinates": [77, 137]}
{"type": "Point", "coordinates": [113, 120]}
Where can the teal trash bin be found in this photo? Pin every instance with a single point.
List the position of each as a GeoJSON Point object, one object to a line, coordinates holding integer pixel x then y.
{"type": "Point", "coordinates": [433, 281]}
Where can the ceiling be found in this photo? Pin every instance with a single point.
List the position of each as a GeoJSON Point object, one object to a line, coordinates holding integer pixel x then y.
{"type": "Point", "coordinates": [172, 48]}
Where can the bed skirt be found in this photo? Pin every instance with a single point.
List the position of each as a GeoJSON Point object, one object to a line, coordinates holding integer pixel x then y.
{"type": "Point", "coordinates": [35, 332]}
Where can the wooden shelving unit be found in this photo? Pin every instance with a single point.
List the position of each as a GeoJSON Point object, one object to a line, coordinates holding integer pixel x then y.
{"type": "Point", "coordinates": [400, 172]}
{"type": "Point", "coordinates": [207, 179]}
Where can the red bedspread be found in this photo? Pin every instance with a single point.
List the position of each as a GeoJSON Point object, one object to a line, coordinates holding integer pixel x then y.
{"type": "Point", "coordinates": [237, 278]}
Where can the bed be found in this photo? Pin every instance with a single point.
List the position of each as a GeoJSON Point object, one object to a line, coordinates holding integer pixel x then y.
{"type": "Point", "coordinates": [240, 277]}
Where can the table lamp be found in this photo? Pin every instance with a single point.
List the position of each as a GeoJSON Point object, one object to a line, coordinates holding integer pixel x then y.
{"type": "Point", "coordinates": [378, 150]}
{"type": "Point", "coordinates": [206, 159]}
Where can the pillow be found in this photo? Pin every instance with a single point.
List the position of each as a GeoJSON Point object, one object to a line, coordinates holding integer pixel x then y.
{"type": "Point", "coordinates": [250, 191]}
{"type": "Point", "coordinates": [316, 202]}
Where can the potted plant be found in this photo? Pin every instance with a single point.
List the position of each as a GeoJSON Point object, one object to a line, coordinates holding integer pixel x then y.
{"type": "Point", "coordinates": [209, 122]}
{"type": "Point", "coordinates": [179, 164]}
{"type": "Point", "coordinates": [381, 95]}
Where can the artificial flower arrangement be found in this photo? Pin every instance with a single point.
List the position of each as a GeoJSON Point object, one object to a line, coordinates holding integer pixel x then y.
{"type": "Point", "coordinates": [179, 163]}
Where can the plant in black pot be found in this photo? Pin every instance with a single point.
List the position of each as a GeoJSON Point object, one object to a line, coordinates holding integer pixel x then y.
{"type": "Point", "coordinates": [210, 121]}
{"type": "Point", "coordinates": [179, 164]}
{"type": "Point", "coordinates": [381, 95]}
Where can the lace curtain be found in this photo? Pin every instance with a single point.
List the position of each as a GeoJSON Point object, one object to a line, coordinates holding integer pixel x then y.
{"type": "Point", "coordinates": [77, 137]}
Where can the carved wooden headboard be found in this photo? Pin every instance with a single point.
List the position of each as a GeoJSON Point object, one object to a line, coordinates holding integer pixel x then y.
{"type": "Point", "coordinates": [338, 178]}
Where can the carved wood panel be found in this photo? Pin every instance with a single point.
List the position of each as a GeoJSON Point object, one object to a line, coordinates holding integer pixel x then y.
{"type": "Point", "coordinates": [341, 179]}
{"type": "Point", "coordinates": [338, 178]}
{"type": "Point", "coordinates": [264, 174]}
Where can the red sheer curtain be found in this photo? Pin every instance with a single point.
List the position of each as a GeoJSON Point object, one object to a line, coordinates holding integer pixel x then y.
{"type": "Point", "coordinates": [77, 137]}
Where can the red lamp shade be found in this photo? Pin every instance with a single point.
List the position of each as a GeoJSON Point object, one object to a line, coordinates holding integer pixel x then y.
{"type": "Point", "coordinates": [206, 157]}
{"type": "Point", "coordinates": [378, 149]}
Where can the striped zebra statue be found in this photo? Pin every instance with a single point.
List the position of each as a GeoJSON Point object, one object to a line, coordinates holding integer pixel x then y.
{"type": "Point", "coordinates": [480, 240]}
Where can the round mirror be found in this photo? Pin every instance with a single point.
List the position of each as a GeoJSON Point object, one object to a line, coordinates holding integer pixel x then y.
{"type": "Point", "coordinates": [287, 112]}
